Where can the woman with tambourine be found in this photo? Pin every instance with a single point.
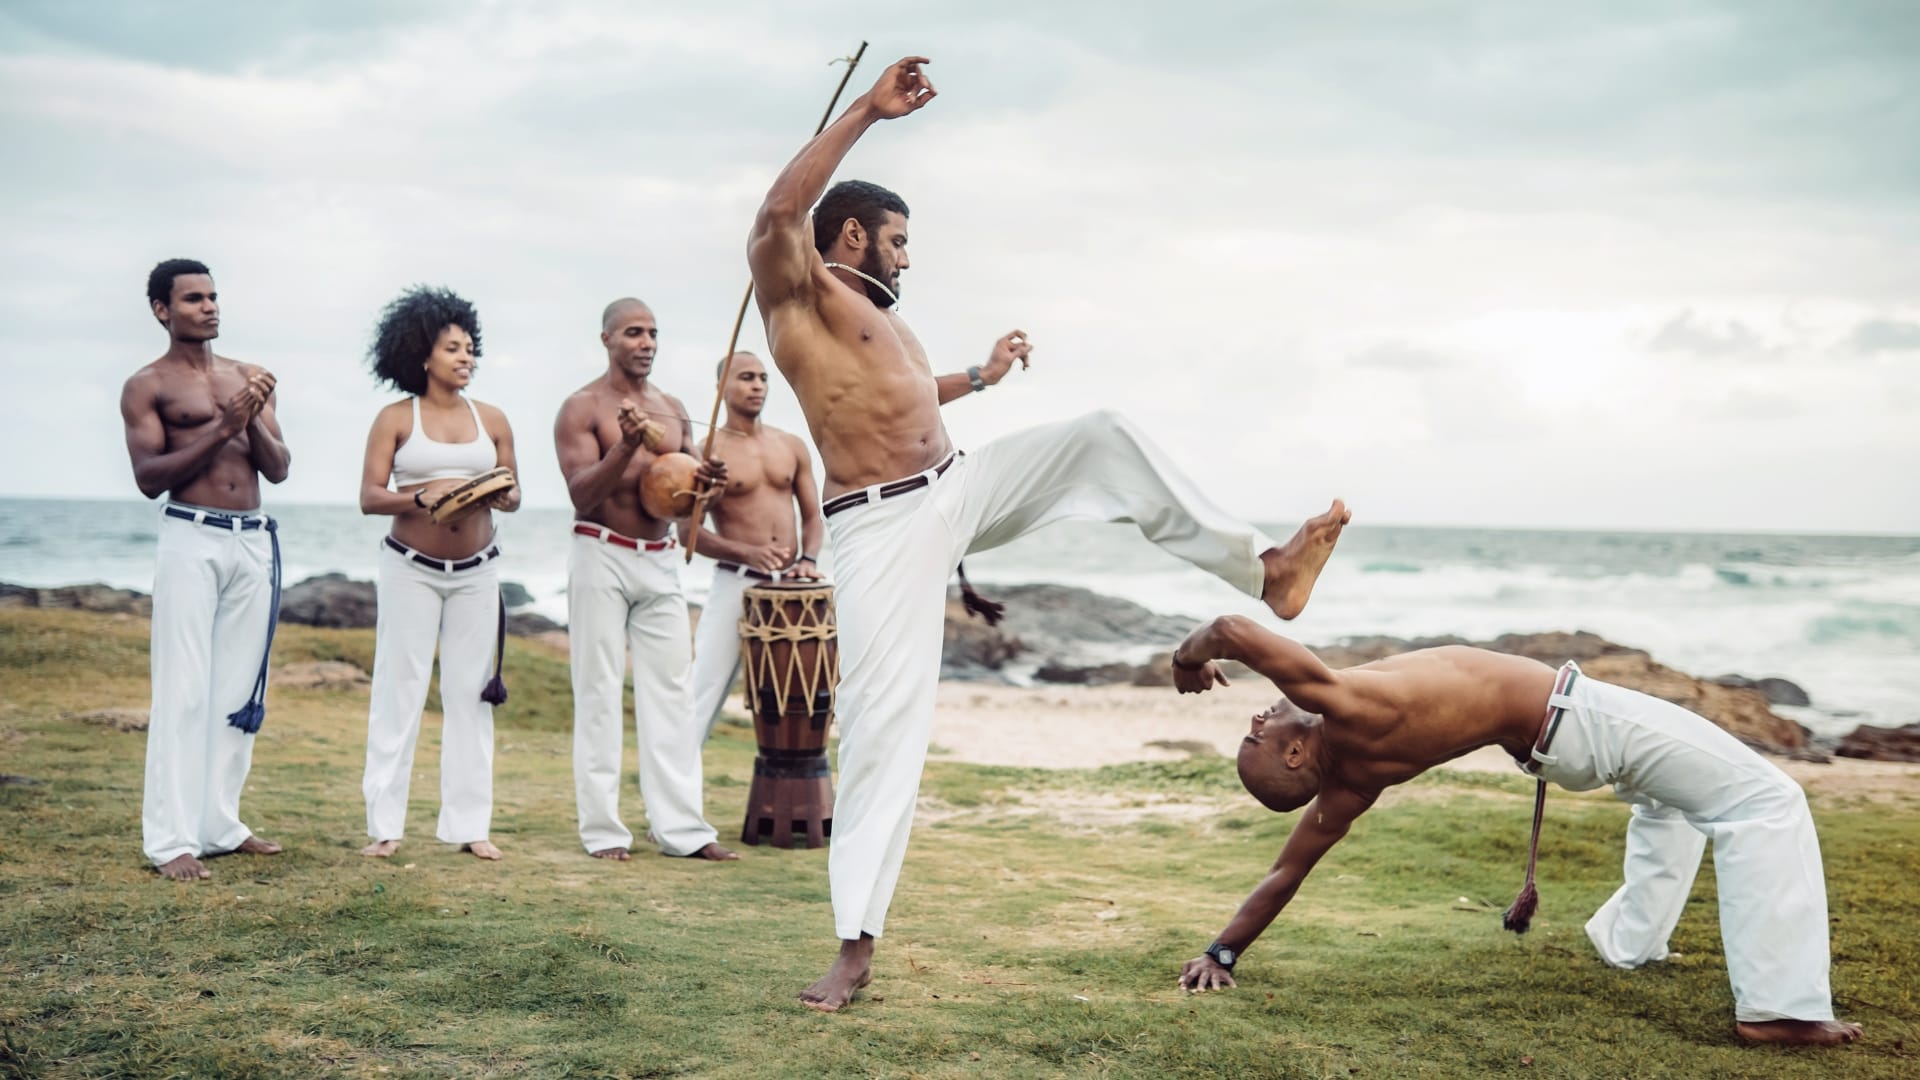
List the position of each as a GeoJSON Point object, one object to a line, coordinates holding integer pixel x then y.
{"type": "Point", "coordinates": [440, 463]}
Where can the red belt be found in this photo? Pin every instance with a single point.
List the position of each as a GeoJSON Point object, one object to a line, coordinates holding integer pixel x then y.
{"type": "Point", "coordinates": [601, 532]}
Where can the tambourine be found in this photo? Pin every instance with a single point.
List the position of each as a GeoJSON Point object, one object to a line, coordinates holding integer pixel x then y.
{"type": "Point", "coordinates": [470, 496]}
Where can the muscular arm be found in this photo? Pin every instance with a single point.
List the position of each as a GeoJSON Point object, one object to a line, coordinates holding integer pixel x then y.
{"type": "Point", "coordinates": [265, 446]}
{"type": "Point", "coordinates": [1322, 824]}
{"type": "Point", "coordinates": [590, 476]}
{"type": "Point", "coordinates": [780, 249]}
{"type": "Point", "coordinates": [156, 469]}
{"type": "Point", "coordinates": [1011, 346]}
{"type": "Point", "coordinates": [1302, 676]}
{"type": "Point", "coordinates": [715, 546]}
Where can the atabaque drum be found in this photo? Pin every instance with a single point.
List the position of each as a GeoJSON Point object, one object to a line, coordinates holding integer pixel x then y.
{"type": "Point", "coordinates": [791, 653]}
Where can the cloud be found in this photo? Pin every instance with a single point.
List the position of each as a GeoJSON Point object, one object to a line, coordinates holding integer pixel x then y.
{"type": "Point", "coordinates": [1685, 333]}
{"type": "Point", "coordinates": [1399, 356]}
{"type": "Point", "coordinates": [1885, 335]}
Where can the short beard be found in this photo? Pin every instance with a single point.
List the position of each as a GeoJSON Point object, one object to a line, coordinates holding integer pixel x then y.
{"type": "Point", "coordinates": [871, 267]}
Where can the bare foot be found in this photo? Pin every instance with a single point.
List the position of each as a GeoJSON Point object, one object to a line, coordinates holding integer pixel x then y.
{"type": "Point", "coordinates": [851, 970]}
{"type": "Point", "coordinates": [253, 845]}
{"type": "Point", "coordinates": [1294, 567]}
{"type": "Point", "coordinates": [183, 868]}
{"type": "Point", "coordinates": [711, 853]}
{"type": "Point", "coordinates": [380, 849]}
{"type": "Point", "coordinates": [1798, 1032]}
{"type": "Point", "coordinates": [617, 854]}
{"type": "Point", "coordinates": [483, 849]}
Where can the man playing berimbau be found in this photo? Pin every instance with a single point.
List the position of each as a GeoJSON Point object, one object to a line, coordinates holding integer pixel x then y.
{"type": "Point", "coordinates": [1338, 738]}
{"type": "Point", "coordinates": [201, 430]}
{"type": "Point", "coordinates": [754, 538]}
{"type": "Point", "coordinates": [624, 597]}
{"type": "Point", "coordinates": [903, 505]}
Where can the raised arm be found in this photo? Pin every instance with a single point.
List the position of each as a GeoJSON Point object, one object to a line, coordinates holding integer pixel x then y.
{"type": "Point", "coordinates": [158, 470]}
{"type": "Point", "coordinates": [780, 250]}
{"type": "Point", "coordinates": [591, 476]}
{"type": "Point", "coordinates": [1322, 823]}
{"type": "Point", "coordinates": [1302, 676]}
{"type": "Point", "coordinates": [1011, 346]}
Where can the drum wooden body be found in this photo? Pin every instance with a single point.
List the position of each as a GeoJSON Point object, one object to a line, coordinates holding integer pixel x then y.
{"type": "Point", "coordinates": [470, 497]}
{"type": "Point", "coordinates": [791, 653]}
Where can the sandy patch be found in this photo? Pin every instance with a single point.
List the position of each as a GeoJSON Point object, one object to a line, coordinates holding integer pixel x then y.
{"type": "Point", "coordinates": [1077, 727]}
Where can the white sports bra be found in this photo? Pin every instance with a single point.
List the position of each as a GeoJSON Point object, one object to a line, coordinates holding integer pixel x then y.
{"type": "Point", "coordinates": [421, 458]}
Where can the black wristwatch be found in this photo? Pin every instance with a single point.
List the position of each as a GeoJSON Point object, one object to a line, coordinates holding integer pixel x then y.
{"type": "Point", "coordinates": [973, 376]}
{"type": "Point", "coordinates": [806, 558]}
{"type": "Point", "coordinates": [417, 500]}
{"type": "Point", "coordinates": [1223, 956]}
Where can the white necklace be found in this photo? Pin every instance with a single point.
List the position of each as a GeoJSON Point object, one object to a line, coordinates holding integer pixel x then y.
{"type": "Point", "coordinates": [891, 295]}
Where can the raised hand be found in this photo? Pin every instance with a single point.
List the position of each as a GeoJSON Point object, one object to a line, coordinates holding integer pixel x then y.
{"type": "Point", "coordinates": [712, 476]}
{"type": "Point", "coordinates": [1197, 680]}
{"type": "Point", "coordinates": [1012, 346]}
{"type": "Point", "coordinates": [240, 409]}
{"type": "Point", "coordinates": [1203, 973]}
{"type": "Point", "coordinates": [637, 430]}
{"type": "Point", "coordinates": [903, 88]}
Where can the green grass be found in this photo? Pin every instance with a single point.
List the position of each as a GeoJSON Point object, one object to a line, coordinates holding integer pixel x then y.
{"type": "Point", "coordinates": [1021, 943]}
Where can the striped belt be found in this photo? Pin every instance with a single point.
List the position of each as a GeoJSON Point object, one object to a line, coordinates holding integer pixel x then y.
{"type": "Point", "coordinates": [601, 532]}
{"type": "Point", "coordinates": [236, 522]}
{"type": "Point", "coordinates": [888, 490]}
{"type": "Point", "coordinates": [447, 566]}
{"type": "Point", "coordinates": [1558, 703]}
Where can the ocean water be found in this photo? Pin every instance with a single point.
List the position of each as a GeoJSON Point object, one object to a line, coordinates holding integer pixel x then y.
{"type": "Point", "coordinates": [1840, 615]}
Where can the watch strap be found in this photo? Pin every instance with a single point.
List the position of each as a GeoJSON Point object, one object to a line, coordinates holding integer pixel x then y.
{"type": "Point", "coordinates": [973, 376]}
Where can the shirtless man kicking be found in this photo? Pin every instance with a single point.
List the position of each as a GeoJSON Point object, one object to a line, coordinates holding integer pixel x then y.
{"type": "Point", "coordinates": [753, 537]}
{"type": "Point", "coordinates": [1339, 738]}
{"type": "Point", "coordinates": [623, 592]}
{"type": "Point", "coordinates": [201, 430]}
{"type": "Point", "coordinates": [904, 505]}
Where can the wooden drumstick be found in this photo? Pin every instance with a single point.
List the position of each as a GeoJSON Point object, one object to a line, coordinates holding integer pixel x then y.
{"type": "Point", "coordinates": [733, 341]}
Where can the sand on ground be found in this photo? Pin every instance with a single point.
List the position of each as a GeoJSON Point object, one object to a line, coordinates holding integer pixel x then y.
{"type": "Point", "coordinates": [1070, 727]}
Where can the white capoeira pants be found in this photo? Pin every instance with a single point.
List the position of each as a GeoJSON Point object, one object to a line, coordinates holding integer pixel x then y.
{"type": "Point", "coordinates": [716, 644]}
{"type": "Point", "coordinates": [420, 607]}
{"type": "Point", "coordinates": [892, 559]}
{"type": "Point", "coordinates": [1689, 781]}
{"type": "Point", "coordinates": [621, 599]}
{"type": "Point", "coordinates": [212, 602]}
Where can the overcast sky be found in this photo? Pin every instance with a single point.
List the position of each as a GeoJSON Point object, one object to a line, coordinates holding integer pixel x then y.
{"type": "Point", "coordinates": [1641, 265]}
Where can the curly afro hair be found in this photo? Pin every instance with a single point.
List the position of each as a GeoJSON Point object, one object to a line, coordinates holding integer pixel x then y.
{"type": "Point", "coordinates": [407, 330]}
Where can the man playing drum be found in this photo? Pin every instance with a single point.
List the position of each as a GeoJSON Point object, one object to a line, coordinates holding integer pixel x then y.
{"type": "Point", "coordinates": [753, 537]}
{"type": "Point", "coordinates": [904, 505]}
{"type": "Point", "coordinates": [201, 429]}
{"type": "Point", "coordinates": [623, 593]}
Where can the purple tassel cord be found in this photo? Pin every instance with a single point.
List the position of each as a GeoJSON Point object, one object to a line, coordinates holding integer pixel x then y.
{"type": "Point", "coordinates": [991, 610]}
{"type": "Point", "coordinates": [1519, 917]}
{"type": "Point", "coordinates": [250, 716]}
{"type": "Point", "coordinates": [495, 692]}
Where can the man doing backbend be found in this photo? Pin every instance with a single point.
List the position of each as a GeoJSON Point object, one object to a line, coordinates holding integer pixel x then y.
{"type": "Point", "coordinates": [1339, 738]}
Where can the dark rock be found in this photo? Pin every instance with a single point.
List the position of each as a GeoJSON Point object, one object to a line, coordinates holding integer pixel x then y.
{"type": "Point", "coordinates": [95, 597]}
{"type": "Point", "coordinates": [515, 594]}
{"type": "Point", "coordinates": [1882, 744]}
{"type": "Point", "coordinates": [1050, 613]}
{"type": "Point", "coordinates": [331, 600]}
{"type": "Point", "coordinates": [1778, 691]}
{"type": "Point", "coordinates": [1096, 675]}
{"type": "Point", "coordinates": [530, 624]}
{"type": "Point", "coordinates": [970, 649]}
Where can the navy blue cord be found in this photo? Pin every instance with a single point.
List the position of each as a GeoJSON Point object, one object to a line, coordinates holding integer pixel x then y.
{"type": "Point", "coordinates": [250, 715]}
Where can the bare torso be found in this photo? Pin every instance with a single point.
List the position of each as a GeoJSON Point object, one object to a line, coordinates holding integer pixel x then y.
{"type": "Point", "coordinates": [863, 382]}
{"type": "Point", "coordinates": [1416, 710]}
{"type": "Point", "coordinates": [595, 409]}
{"type": "Point", "coordinates": [188, 400]}
{"type": "Point", "coordinates": [762, 473]}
